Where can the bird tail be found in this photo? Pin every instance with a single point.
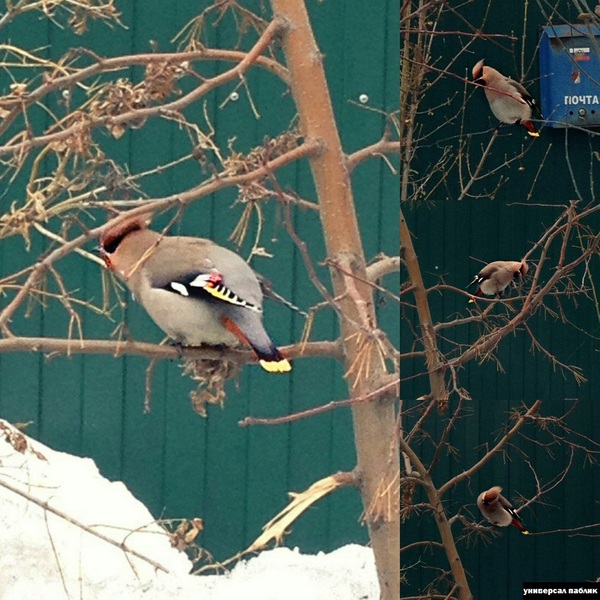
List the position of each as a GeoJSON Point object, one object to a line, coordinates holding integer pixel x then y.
{"type": "Point", "coordinates": [516, 522]}
{"type": "Point", "coordinates": [275, 365]}
{"type": "Point", "coordinates": [531, 130]}
{"type": "Point", "coordinates": [269, 357]}
{"type": "Point", "coordinates": [478, 292]}
{"type": "Point", "coordinates": [253, 334]}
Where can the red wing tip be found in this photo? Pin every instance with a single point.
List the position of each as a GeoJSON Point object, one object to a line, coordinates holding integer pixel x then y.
{"type": "Point", "coordinates": [276, 366]}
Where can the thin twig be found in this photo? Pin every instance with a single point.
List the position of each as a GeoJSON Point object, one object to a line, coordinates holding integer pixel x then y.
{"type": "Point", "coordinates": [63, 515]}
{"type": "Point", "coordinates": [491, 453]}
{"type": "Point", "coordinates": [382, 147]}
{"type": "Point", "coordinates": [393, 387]}
{"type": "Point", "coordinates": [169, 108]}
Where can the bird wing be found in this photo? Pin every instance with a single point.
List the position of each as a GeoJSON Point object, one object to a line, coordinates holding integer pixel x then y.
{"type": "Point", "coordinates": [205, 285]}
{"type": "Point", "coordinates": [508, 508]}
{"type": "Point", "coordinates": [526, 96]}
{"type": "Point", "coordinates": [516, 519]}
{"type": "Point", "coordinates": [197, 268]}
{"type": "Point", "coordinates": [486, 272]}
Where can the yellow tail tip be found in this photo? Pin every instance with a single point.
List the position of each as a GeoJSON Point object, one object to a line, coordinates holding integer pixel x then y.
{"type": "Point", "coordinates": [471, 300]}
{"type": "Point", "coordinates": [525, 532]}
{"type": "Point", "coordinates": [533, 133]}
{"type": "Point", "coordinates": [276, 366]}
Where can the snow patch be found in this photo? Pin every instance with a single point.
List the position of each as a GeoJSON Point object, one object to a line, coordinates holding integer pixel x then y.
{"type": "Point", "coordinates": [43, 556]}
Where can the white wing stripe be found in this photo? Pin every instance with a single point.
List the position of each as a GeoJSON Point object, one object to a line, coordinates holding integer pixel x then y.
{"type": "Point", "coordinates": [201, 280]}
{"type": "Point", "coordinates": [179, 288]}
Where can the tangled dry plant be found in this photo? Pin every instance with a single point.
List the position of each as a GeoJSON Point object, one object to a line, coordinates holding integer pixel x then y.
{"type": "Point", "coordinates": [210, 376]}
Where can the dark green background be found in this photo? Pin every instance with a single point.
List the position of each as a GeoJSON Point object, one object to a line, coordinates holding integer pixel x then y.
{"type": "Point", "coordinates": [449, 236]}
{"type": "Point", "coordinates": [176, 462]}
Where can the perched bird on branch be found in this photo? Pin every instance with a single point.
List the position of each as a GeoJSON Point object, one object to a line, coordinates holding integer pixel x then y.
{"type": "Point", "coordinates": [509, 100]}
{"type": "Point", "coordinates": [496, 276]}
{"type": "Point", "coordinates": [498, 510]}
{"type": "Point", "coordinates": [196, 291]}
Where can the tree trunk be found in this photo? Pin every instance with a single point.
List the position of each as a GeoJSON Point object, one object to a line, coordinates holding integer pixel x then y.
{"type": "Point", "coordinates": [374, 421]}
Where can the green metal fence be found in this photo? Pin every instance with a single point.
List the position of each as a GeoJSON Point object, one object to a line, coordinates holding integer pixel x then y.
{"type": "Point", "coordinates": [178, 463]}
{"type": "Point", "coordinates": [449, 236]}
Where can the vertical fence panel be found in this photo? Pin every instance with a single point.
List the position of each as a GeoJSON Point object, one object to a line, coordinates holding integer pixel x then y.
{"type": "Point", "coordinates": [448, 235]}
{"type": "Point", "coordinates": [179, 464]}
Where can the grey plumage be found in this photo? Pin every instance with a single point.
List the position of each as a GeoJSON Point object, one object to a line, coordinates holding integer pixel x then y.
{"type": "Point", "coordinates": [196, 291]}
{"type": "Point", "coordinates": [509, 101]}
{"type": "Point", "coordinates": [496, 276]}
{"type": "Point", "coordinates": [498, 510]}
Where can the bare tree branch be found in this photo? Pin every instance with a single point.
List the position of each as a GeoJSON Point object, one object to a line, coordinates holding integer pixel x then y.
{"type": "Point", "coordinates": [69, 347]}
{"type": "Point", "coordinates": [47, 507]}
{"type": "Point", "coordinates": [389, 390]}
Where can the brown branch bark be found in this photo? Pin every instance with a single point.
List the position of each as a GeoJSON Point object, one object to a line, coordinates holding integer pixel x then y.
{"type": "Point", "coordinates": [374, 422]}
{"type": "Point", "coordinates": [169, 108]}
{"type": "Point", "coordinates": [475, 176]}
{"type": "Point", "coordinates": [61, 346]}
{"type": "Point", "coordinates": [435, 369]}
{"type": "Point", "coordinates": [384, 265]}
{"type": "Point", "coordinates": [491, 453]}
{"type": "Point", "coordinates": [443, 525]}
{"type": "Point", "coordinates": [393, 387]}
{"type": "Point", "coordinates": [379, 148]}
{"type": "Point", "coordinates": [107, 65]}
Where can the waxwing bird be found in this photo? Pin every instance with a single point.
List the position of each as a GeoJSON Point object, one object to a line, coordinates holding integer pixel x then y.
{"type": "Point", "coordinates": [498, 510]}
{"type": "Point", "coordinates": [509, 100]}
{"type": "Point", "coordinates": [196, 291]}
{"type": "Point", "coordinates": [496, 276]}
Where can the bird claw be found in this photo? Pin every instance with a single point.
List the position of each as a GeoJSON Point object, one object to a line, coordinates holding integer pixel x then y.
{"type": "Point", "coordinates": [178, 346]}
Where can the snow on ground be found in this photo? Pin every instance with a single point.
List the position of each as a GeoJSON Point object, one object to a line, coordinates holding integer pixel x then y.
{"type": "Point", "coordinates": [45, 557]}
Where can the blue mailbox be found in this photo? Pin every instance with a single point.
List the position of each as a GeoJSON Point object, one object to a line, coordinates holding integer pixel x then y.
{"type": "Point", "coordinates": [570, 75]}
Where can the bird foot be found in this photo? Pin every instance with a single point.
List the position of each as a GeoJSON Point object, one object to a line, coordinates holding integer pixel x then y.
{"type": "Point", "coordinates": [178, 346]}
